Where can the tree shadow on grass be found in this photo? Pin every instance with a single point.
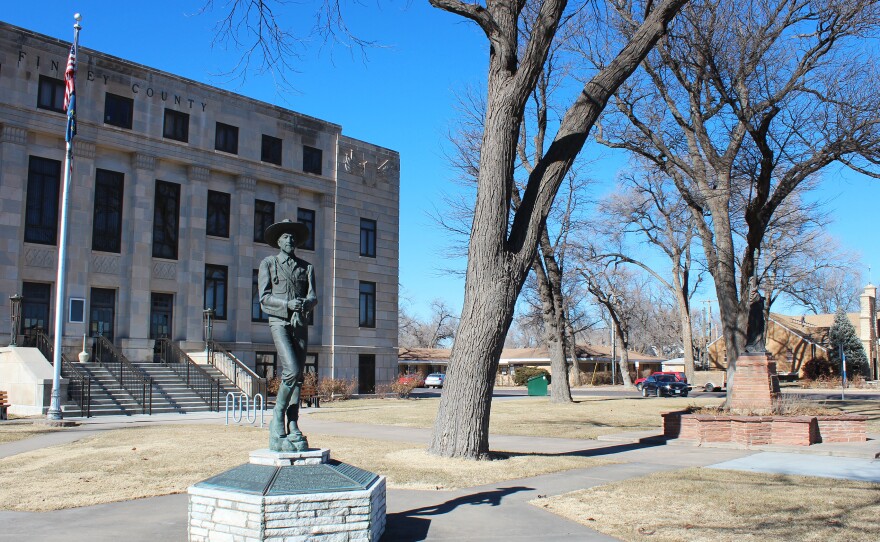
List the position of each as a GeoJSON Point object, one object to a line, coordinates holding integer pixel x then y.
{"type": "Point", "coordinates": [407, 526]}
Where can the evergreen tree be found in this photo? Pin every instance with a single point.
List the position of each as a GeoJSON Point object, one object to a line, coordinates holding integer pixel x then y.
{"type": "Point", "coordinates": [842, 333]}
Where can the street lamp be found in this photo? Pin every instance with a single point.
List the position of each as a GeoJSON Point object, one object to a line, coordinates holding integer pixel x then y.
{"type": "Point", "coordinates": [208, 321]}
{"type": "Point", "coordinates": [14, 317]}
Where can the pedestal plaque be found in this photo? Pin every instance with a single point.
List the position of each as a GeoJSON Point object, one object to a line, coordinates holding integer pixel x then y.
{"type": "Point", "coordinates": [275, 498]}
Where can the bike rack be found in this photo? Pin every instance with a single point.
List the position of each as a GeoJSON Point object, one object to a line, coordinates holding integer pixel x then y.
{"type": "Point", "coordinates": [244, 408]}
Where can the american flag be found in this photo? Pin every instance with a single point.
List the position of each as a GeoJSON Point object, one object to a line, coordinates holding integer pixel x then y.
{"type": "Point", "coordinates": [70, 94]}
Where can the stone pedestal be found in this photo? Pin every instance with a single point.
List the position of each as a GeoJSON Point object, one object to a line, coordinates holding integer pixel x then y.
{"type": "Point", "coordinates": [288, 496]}
{"type": "Point", "coordinates": [756, 386]}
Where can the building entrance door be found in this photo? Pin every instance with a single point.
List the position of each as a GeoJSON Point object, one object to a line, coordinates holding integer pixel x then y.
{"type": "Point", "coordinates": [367, 373]}
{"type": "Point", "coordinates": [102, 313]}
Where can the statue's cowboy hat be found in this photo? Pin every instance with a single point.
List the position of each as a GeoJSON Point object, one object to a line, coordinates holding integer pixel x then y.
{"type": "Point", "coordinates": [298, 230]}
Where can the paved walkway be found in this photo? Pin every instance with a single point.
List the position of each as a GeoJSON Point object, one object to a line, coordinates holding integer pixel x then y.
{"type": "Point", "coordinates": [492, 512]}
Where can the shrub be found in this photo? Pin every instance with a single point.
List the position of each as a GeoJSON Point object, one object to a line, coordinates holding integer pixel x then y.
{"type": "Point", "coordinates": [384, 391]}
{"type": "Point", "coordinates": [405, 384]}
{"type": "Point", "coordinates": [272, 386]}
{"type": "Point", "coordinates": [523, 374]}
{"type": "Point", "coordinates": [336, 389]}
{"type": "Point", "coordinates": [818, 368]}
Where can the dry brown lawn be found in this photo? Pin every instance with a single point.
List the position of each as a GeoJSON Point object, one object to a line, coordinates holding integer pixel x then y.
{"type": "Point", "coordinates": [587, 418]}
{"type": "Point", "coordinates": [10, 432]}
{"type": "Point", "coordinates": [726, 506]}
{"type": "Point", "coordinates": [133, 463]}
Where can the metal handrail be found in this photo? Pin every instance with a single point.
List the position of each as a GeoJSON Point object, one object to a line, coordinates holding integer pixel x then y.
{"type": "Point", "coordinates": [138, 385]}
{"type": "Point", "coordinates": [79, 383]}
{"type": "Point", "coordinates": [197, 379]}
{"type": "Point", "coordinates": [240, 374]}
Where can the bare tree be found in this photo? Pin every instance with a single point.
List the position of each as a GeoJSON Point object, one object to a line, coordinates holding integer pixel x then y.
{"type": "Point", "coordinates": [434, 332]}
{"type": "Point", "coordinates": [649, 207]}
{"type": "Point", "coordinates": [502, 243]}
{"type": "Point", "coordinates": [743, 102]}
{"type": "Point", "coordinates": [615, 288]}
{"type": "Point", "coordinates": [503, 240]}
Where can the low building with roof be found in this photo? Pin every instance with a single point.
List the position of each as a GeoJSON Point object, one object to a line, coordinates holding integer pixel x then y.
{"type": "Point", "coordinates": [594, 362]}
{"type": "Point", "coordinates": [794, 341]}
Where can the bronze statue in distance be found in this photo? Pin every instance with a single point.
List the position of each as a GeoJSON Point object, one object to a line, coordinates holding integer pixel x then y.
{"type": "Point", "coordinates": [288, 295]}
{"type": "Point", "coordinates": [755, 329]}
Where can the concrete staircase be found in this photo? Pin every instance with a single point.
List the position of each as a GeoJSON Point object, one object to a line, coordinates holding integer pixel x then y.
{"type": "Point", "coordinates": [108, 397]}
{"type": "Point", "coordinates": [172, 395]}
{"type": "Point", "coordinates": [170, 392]}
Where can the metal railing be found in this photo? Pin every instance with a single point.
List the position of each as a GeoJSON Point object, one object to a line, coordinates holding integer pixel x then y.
{"type": "Point", "coordinates": [79, 383]}
{"type": "Point", "coordinates": [138, 385]}
{"type": "Point", "coordinates": [197, 379]}
{"type": "Point", "coordinates": [240, 374]}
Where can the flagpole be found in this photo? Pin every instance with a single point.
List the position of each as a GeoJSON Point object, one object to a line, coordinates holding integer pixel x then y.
{"type": "Point", "coordinates": [54, 412]}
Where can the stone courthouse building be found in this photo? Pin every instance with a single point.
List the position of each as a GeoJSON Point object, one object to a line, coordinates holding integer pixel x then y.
{"type": "Point", "coordinates": [173, 184]}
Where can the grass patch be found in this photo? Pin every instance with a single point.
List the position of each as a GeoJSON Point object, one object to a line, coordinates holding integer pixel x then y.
{"type": "Point", "coordinates": [11, 432]}
{"type": "Point", "coordinates": [587, 418]}
{"type": "Point", "coordinates": [726, 506]}
{"type": "Point", "coordinates": [125, 464]}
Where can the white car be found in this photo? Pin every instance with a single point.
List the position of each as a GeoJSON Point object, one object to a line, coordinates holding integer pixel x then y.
{"type": "Point", "coordinates": [435, 380]}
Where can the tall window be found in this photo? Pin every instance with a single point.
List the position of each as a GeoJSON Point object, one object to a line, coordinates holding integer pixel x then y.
{"type": "Point", "coordinates": [367, 304]}
{"type": "Point", "coordinates": [226, 138]}
{"type": "Point", "coordinates": [41, 210]}
{"type": "Point", "coordinates": [35, 306]}
{"type": "Point", "coordinates": [161, 312]}
{"type": "Point", "coordinates": [312, 160]}
{"type": "Point", "coordinates": [118, 110]}
{"type": "Point", "coordinates": [166, 217]}
{"type": "Point", "coordinates": [257, 314]}
{"type": "Point", "coordinates": [50, 94]}
{"type": "Point", "coordinates": [102, 313]}
{"type": "Point", "coordinates": [218, 214]}
{"type": "Point", "coordinates": [368, 237]}
{"type": "Point", "coordinates": [215, 289]}
{"type": "Point", "coordinates": [264, 216]}
{"type": "Point", "coordinates": [176, 125]}
{"type": "Point", "coordinates": [271, 151]}
{"type": "Point", "coordinates": [307, 217]}
{"type": "Point", "coordinates": [107, 219]}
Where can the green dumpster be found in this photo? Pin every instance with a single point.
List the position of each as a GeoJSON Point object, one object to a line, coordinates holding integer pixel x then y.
{"type": "Point", "coordinates": [537, 385]}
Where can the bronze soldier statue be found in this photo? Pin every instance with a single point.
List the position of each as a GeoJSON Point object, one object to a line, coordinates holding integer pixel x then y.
{"type": "Point", "coordinates": [288, 295]}
{"type": "Point", "coordinates": [756, 324]}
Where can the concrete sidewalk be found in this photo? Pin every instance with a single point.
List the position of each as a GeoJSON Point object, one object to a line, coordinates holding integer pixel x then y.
{"type": "Point", "coordinates": [492, 512]}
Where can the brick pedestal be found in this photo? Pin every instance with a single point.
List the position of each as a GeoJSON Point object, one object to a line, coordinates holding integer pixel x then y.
{"type": "Point", "coordinates": [755, 386]}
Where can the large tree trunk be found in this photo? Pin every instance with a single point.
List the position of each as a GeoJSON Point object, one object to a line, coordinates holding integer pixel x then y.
{"type": "Point", "coordinates": [500, 251]}
{"type": "Point", "coordinates": [574, 374]}
{"type": "Point", "coordinates": [467, 392]}
{"type": "Point", "coordinates": [623, 363]}
{"type": "Point", "coordinates": [687, 333]}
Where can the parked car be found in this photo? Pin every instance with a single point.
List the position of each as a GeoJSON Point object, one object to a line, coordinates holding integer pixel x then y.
{"type": "Point", "coordinates": [681, 377]}
{"type": "Point", "coordinates": [661, 385]}
{"type": "Point", "coordinates": [435, 380]}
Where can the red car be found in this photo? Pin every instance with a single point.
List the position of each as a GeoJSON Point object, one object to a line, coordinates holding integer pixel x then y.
{"type": "Point", "coordinates": [679, 376]}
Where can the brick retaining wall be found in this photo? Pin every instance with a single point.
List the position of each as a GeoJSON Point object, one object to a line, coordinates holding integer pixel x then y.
{"type": "Point", "coordinates": [760, 430]}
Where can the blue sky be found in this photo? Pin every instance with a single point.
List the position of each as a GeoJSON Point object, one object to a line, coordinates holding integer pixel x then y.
{"type": "Point", "coordinates": [402, 96]}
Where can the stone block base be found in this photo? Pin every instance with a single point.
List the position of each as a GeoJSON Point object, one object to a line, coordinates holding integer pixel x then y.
{"type": "Point", "coordinates": [276, 500]}
{"type": "Point", "coordinates": [283, 459]}
{"type": "Point", "coordinates": [756, 385]}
